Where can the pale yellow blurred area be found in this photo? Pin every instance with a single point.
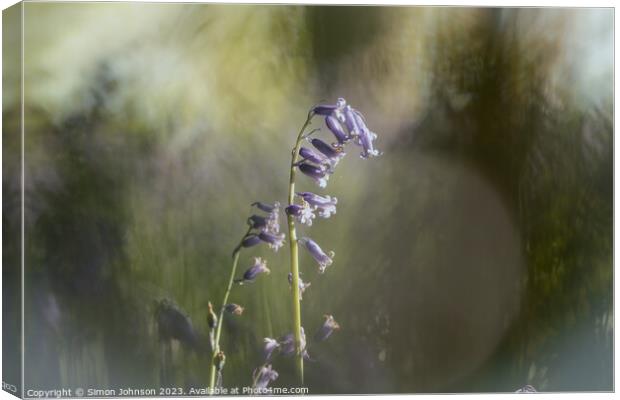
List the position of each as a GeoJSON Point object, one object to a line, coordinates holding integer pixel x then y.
{"type": "Point", "coordinates": [243, 69]}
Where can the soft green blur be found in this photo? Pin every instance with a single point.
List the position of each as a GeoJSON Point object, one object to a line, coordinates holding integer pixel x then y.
{"type": "Point", "coordinates": [474, 255]}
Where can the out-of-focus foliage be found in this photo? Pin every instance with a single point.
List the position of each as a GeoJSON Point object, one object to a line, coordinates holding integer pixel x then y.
{"type": "Point", "coordinates": [474, 255]}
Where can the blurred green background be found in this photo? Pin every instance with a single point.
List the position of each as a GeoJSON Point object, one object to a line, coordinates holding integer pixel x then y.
{"type": "Point", "coordinates": [474, 255]}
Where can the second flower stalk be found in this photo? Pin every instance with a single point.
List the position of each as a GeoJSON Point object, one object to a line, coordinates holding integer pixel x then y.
{"type": "Point", "coordinates": [294, 273]}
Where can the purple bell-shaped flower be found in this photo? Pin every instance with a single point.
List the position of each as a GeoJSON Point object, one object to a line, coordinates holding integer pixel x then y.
{"type": "Point", "coordinates": [263, 376]}
{"type": "Point", "coordinates": [329, 326]}
{"type": "Point", "coordinates": [324, 205]}
{"type": "Point", "coordinates": [318, 173]}
{"type": "Point", "coordinates": [271, 345]}
{"type": "Point", "coordinates": [259, 267]}
{"type": "Point", "coordinates": [324, 260]}
{"type": "Point", "coordinates": [303, 213]}
{"type": "Point", "coordinates": [335, 127]}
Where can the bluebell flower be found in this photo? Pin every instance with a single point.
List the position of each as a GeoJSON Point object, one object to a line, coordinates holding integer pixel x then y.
{"type": "Point", "coordinates": [303, 213]}
{"type": "Point", "coordinates": [275, 241]}
{"type": "Point", "coordinates": [324, 260]}
{"type": "Point", "coordinates": [325, 205]}
{"type": "Point", "coordinates": [333, 124]}
{"type": "Point", "coordinates": [234, 308]}
{"type": "Point", "coordinates": [330, 325]}
{"type": "Point", "coordinates": [329, 109]}
{"type": "Point", "coordinates": [287, 344]}
{"type": "Point", "coordinates": [312, 156]}
{"type": "Point", "coordinates": [351, 122]}
{"type": "Point", "coordinates": [270, 223]}
{"type": "Point", "coordinates": [318, 173]}
{"type": "Point", "coordinates": [302, 285]}
{"type": "Point", "coordinates": [266, 207]}
{"type": "Point", "coordinates": [329, 151]}
{"type": "Point", "coordinates": [250, 240]}
{"type": "Point", "coordinates": [365, 137]}
{"type": "Point", "coordinates": [271, 345]}
{"type": "Point", "coordinates": [257, 222]}
{"type": "Point", "coordinates": [263, 376]}
{"type": "Point", "coordinates": [273, 223]}
{"type": "Point", "coordinates": [259, 267]}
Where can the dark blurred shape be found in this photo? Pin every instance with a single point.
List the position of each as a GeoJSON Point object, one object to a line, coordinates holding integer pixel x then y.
{"type": "Point", "coordinates": [174, 324]}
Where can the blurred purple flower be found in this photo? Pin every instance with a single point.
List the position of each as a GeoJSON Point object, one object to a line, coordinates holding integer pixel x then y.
{"type": "Point", "coordinates": [234, 308]}
{"type": "Point", "coordinates": [263, 376]}
{"type": "Point", "coordinates": [270, 223]}
{"type": "Point", "coordinates": [365, 136]}
{"type": "Point", "coordinates": [271, 345]}
{"type": "Point", "coordinates": [318, 173]}
{"type": "Point", "coordinates": [250, 240]}
{"type": "Point", "coordinates": [303, 213]}
{"type": "Point", "coordinates": [302, 285]}
{"type": "Point", "coordinates": [333, 124]}
{"type": "Point", "coordinates": [259, 267]}
{"type": "Point", "coordinates": [287, 344]}
{"type": "Point", "coordinates": [324, 260]}
{"type": "Point", "coordinates": [273, 222]}
{"type": "Point", "coordinates": [257, 222]}
{"type": "Point", "coordinates": [266, 207]}
{"type": "Point", "coordinates": [325, 205]}
{"type": "Point", "coordinates": [330, 325]}
{"type": "Point", "coordinates": [329, 151]}
{"type": "Point", "coordinates": [312, 156]}
{"type": "Point", "coordinates": [275, 241]}
{"type": "Point", "coordinates": [351, 122]}
{"type": "Point", "coordinates": [328, 109]}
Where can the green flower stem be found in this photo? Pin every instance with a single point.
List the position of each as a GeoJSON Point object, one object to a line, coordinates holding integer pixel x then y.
{"type": "Point", "coordinates": [294, 255]}
{"type": "Point", "coordinates": [218, 329]}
